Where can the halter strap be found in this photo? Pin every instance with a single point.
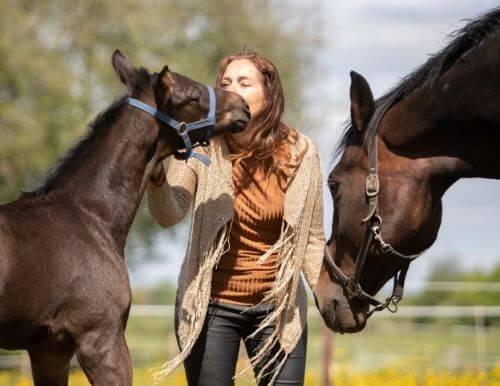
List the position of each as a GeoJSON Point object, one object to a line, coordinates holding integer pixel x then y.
{"type": "Point", "coordinates": [183, 128]}
{"type": "Point", "coordinates": [354, 289]}
{"type": "Point", "coordinates": [372, 236]}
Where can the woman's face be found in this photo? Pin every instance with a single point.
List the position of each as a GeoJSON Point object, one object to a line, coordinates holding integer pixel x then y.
{"type": "Point", "coordinates": [242, 77]}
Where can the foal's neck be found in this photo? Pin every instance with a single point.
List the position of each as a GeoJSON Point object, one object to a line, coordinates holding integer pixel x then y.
{"type": "Point", "coordinates": [109, 184]}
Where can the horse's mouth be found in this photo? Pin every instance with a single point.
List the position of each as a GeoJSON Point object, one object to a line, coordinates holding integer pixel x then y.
{"type": "Point", "coordinates": [343, 319]}
{"type": "Point", "coordinates": [331, 318]}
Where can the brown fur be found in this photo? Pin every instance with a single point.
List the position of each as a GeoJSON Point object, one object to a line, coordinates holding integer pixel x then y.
{"type": "Point", "coordinates": [64, 286]}
{"type": "Point", "coordinates": [439, 125]}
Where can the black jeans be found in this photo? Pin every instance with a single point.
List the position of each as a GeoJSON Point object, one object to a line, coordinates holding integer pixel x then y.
{"type": "Point", "coordinates": [212, 361]}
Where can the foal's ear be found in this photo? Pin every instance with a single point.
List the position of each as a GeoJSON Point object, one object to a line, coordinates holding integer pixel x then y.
{"type": "Point", "coordinates": [124, 68]}
{"type": "Point", "coordinates": [362, 103]}
{"type": "Point", "coordinates": [164, 84]}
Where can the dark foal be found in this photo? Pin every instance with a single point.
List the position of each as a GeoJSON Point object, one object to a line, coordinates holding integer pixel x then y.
{"type": "Point", "coordinates": [64, 286]}
{"type": "Point", "coordinates": [440, 124]}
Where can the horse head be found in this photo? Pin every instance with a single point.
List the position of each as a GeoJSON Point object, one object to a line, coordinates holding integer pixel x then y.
{"type": "Point", "coordinates": [184, 100]}
{"type": "Point", "coordinates": [364, 192]}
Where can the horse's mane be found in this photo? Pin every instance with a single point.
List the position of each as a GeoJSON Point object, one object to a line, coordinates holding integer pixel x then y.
{"type": "Point", "coordinates": [69, 163]}
{"type": "Point", "coordinates": [463, 41]}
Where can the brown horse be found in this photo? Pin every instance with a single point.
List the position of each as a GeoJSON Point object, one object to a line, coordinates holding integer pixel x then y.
{"type": "Point", "coordinates": [64, 286]}
{"type": "Point", "coordinates": [440, 124]}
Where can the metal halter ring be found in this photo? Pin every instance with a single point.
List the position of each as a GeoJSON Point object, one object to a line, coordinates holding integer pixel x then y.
{"type": "Point", "coordinates": [392, 305]}
{"type": "Point", "coordinates": [353, 288]}
{"type": "Point", "coordinates": [182, 128]}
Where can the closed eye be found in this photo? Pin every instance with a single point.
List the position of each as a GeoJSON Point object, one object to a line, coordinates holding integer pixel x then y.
{"type": "Point", "coordinates": [196, 96]}
{"type": "Point", "coordinates": [193, 99]}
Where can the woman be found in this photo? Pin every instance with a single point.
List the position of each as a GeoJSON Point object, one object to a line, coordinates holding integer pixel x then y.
{"type": "Point", "coordinates": [257, 224]}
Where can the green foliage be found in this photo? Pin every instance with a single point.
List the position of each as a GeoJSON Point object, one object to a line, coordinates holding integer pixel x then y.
{"type": "Point", "coordinates": [449, 270]}
{"type": "Point", "coordinates": [163, 293]}
{"type": "Point", "coordinates": [55, 71]}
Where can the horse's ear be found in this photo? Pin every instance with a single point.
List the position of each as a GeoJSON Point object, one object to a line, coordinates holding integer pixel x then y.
{"type": "Point", "coordinates": [124, 68]}
{"type": "Point", "coordinates": [362, 103]}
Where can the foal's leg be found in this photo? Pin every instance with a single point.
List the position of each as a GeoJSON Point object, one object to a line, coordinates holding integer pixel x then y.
{"type": "Point", "coordinates": [50, 364]}
{"type": "Point", "coordinates": [105, 359]}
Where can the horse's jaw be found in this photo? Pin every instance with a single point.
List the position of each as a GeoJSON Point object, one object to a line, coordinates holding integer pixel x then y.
{"type": "Point", "coordinates": [339, 313]}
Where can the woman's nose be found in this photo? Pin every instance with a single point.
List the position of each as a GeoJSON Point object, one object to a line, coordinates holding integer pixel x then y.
{"type": "Point", "coordinates": [231, 87]}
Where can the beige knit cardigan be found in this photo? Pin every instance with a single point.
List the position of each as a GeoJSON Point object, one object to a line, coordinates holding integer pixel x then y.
{"type": "Point", "coordinates": [300, 244]}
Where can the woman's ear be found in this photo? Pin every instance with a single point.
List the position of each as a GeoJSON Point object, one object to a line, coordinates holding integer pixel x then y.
{"type": "Point", "coordinates": [124, 69]}
{"type": "Point", "coordinates": [362, 103]}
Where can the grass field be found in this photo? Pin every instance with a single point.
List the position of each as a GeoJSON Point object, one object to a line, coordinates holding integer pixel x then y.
{"type": "Point", "coordinates": [388, 352]}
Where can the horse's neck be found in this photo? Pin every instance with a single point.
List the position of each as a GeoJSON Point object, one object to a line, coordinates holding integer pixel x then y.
{"type": "Point", "coordinates": [455, 124]}
{"type": "Point", "coordinates": [109, 184]}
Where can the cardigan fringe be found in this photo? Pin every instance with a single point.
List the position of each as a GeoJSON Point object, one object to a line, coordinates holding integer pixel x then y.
{"type": "Point", "coordinates": [300, 246]}
{"type": "Point", "coordinates": [280, 293]}
{"type": "Point", "coordinates": [195, 325]}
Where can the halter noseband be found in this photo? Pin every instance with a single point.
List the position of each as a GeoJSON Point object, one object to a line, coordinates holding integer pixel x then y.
{"type": "Point", "coordinates": [373, 223]}
{"type": "Point", "coordinates": [183, 128]}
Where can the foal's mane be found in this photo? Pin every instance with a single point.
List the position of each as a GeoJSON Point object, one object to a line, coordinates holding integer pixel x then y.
{"type": "Point", "coordinates": [463, 41]}
{"type": "Point", "coordinates": [69, 163]}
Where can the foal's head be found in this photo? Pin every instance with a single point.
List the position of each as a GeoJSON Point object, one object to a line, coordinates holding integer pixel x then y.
{"type": "Point", "coordinates": [182, 98]}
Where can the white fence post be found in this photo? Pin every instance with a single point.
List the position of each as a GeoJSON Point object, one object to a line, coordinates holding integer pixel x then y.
{"type": "Point", "coordinates": [480, 337]}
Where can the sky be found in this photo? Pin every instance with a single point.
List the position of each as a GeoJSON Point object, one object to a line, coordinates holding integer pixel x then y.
{"type": "Point", "coordinates": [384, 41]}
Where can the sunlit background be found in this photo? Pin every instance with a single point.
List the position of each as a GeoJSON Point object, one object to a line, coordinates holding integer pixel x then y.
{"type": "Point", "coordinates": [55, 76]}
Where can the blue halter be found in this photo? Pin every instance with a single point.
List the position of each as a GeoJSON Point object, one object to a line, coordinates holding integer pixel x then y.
{"type": "Point", "coordinates": [183, 128]}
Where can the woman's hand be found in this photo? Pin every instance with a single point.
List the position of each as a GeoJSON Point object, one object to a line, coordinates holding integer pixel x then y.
{"type": "Point", "coordinates": [158, 175]}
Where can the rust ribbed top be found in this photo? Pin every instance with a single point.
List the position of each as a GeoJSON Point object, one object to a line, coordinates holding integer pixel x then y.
{"type": "Point", "coordinates": [258, 214]}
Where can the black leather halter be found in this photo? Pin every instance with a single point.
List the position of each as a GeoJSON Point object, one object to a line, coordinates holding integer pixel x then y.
{"type": "Point", "coordinates": [373, 223]}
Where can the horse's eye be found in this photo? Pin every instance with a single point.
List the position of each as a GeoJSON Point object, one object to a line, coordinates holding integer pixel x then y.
{"type": "Point", "coordinates": [334, 185]}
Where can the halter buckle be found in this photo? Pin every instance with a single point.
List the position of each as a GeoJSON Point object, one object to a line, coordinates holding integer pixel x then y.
{"type": "Point", "coordinates": [353, 288]}
{"type": "Point", "coordinates": [372, 185]}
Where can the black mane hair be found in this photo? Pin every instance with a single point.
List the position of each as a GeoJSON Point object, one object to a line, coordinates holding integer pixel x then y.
{"type": "Point", "coordinates": [464, 40]}
{"type": "Point", "coordinates": [68, 164]}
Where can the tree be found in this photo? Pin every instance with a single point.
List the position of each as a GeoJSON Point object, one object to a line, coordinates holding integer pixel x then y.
{"type": "Point", "coordinates": [55, 72]}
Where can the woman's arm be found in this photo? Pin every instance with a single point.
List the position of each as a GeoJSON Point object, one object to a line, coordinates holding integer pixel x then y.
{"type": "Point", "coordinates": [316, 240]}
{"type": "Point", "coordinates": [169, 203]}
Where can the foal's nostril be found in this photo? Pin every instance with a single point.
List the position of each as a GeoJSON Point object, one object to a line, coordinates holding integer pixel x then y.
{"type": "Point", "coordinates": [246, 109]}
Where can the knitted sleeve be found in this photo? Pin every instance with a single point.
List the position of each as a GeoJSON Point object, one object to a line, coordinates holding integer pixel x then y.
{"type": "Point", "coordinates": [169, 203]}
{"type": "Point", "coordinates": [316, 239]}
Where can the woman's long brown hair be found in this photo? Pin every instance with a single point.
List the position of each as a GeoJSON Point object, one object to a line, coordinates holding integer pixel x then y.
{"type": "Point", "coordinates": [266, 136]}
